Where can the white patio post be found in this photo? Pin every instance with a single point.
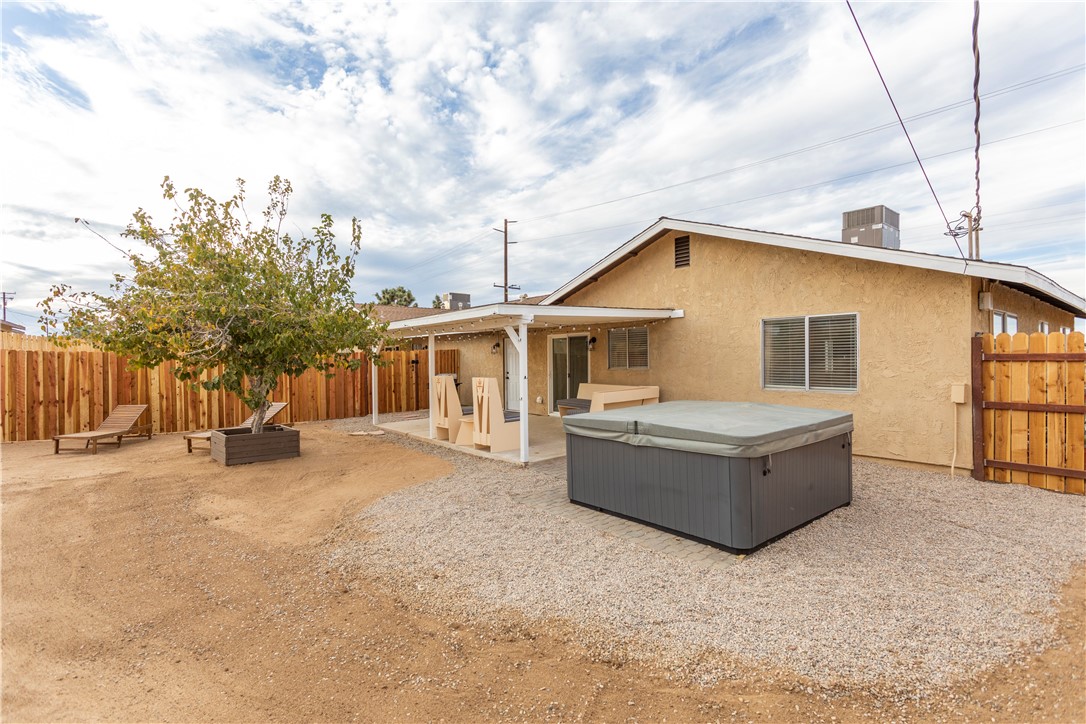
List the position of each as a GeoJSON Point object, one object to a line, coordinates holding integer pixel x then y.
{"type": "Point", "coordinates": [522, 358]}
{"type": "Point", "coordinates": [373, 383]}
{"type": "Point", "coordinates": [519, 339]}
{"type": "Point", "coordinates": [430, 376]}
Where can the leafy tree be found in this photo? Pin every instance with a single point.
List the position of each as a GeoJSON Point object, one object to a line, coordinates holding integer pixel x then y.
{"type": "Point", "coordinates": [398, 296]}
{"type": "Point", "coordinates": [437, 301]}
{"type": "Point", "coordinates": [217, 290]}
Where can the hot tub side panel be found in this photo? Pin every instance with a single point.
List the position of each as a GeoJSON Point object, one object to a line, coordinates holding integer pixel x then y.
{"type": "Point", "coordinates": [802, 484]}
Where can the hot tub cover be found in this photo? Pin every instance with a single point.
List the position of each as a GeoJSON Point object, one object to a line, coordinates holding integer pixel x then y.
{"type": "Point", "coordinates": [732, 429]}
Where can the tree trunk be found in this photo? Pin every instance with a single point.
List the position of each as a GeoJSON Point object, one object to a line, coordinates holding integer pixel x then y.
{"type": "Point", "coordinates": [258, 389]}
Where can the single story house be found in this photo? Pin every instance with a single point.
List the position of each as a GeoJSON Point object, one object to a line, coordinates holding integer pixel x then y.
{"type": "Point", "coordinates": [713, 312]}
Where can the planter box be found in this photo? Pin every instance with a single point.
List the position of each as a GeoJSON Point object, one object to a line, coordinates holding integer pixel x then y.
{"type": "Point", "coordinates": [237, 446]}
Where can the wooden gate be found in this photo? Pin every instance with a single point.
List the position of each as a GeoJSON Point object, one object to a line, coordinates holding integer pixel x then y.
{"type": "Point", "coordinates": [1029, 410]}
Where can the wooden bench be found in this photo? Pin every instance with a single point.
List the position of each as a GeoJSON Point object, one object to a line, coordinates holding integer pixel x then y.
{"type": "Point", "coordinates": [450, 417]}
{"type": "Point", "coordinates": [592, 397]}
{"type": "Point", "coordinates": [492, 426]}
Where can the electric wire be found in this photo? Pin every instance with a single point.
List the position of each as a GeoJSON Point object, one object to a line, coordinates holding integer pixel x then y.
{"type": "Point", "coordinates": [976, 100]}
{"type": "Point", "coordinates": [903, 128]}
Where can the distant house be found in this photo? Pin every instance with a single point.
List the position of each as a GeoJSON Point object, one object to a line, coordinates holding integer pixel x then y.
{"type": "Point", "coordinates": [11, 327]}
{"type": "Point", "coordinates": [714, 312]}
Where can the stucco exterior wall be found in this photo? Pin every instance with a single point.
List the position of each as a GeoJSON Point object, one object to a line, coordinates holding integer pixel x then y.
{"type": "Point", "coordinates": [1029, 310]}
{"type": "Point", "coordinates": [913, 326]}
{"type": "Point", "coordinates": [476, 359]}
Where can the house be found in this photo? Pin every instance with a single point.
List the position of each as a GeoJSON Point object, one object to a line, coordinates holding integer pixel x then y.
{"type": "Point", "coordinates": [12, 327]}
{"type": "Point", "coordinates": [713, 312]}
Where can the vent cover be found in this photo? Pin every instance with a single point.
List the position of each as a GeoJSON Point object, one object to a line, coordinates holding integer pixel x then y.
{"type": "Point", "coordinates": [682, 251]}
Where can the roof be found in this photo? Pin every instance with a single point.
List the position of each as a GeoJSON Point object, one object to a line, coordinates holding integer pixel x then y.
{"type": "Point", "coordinates": [1019, 277]}
{"type": "Point", "coordinates": [12, 327]}
{"type": "Point", "coordinates": [395, 312]}
{"type": "Point", "coordinates": [493, 317]}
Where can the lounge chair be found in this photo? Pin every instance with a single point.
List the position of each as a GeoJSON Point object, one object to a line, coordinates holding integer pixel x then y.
{"type": "Point", "coordinates": [492, 426]}
{"type": "Point", "coordinates": [275, 409]}
{"type": "Point", "coordinates": [449, 414]}
{"type": "Point", "coordinates": [121, 423]}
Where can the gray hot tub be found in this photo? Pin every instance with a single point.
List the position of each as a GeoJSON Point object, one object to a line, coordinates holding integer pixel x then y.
{"type": "Point", "coordinates": [733, 473]}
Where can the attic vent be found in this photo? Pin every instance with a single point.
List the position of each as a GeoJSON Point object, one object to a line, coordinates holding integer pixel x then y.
{"type": "Point", "coordinates": [682, 251]}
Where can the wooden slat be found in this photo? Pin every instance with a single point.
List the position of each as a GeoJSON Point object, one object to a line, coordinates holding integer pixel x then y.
{"type": "Point", "coordinates": [19, 381]}
{"type": "Point", "coordinates": [1076, 423]}
{"type": "Point", "coordinates": [1002, 422]}
{"type": "Point", "coordinates": [1037, 395]}
{"type": "Point", "coordinates": [1047, 356]}
{"type": "Point", "coordinates": [1056, 393]}
{"type": "Point", "coordinates": [1019, 420]}
{"type": "Point", "coordinates": [49, 394]}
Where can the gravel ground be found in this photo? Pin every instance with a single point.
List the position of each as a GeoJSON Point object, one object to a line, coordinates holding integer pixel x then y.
{"type": "Point", "coordinates": [923, 582]}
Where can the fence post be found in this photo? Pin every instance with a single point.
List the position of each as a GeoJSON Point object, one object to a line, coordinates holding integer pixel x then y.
{"type": "Point", "coordinates": [977, 389]}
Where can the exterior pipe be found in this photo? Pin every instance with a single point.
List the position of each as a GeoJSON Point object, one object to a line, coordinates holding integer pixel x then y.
{"type": "Point", "coordinates": [430, 356]}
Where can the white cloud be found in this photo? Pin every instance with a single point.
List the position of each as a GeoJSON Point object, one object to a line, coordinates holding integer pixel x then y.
{"type": "Point", "coordinates": [432, 122]}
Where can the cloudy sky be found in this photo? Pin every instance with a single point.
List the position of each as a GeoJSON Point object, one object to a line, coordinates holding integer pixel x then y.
{"type": "Point", "coordinates": [583, 122]}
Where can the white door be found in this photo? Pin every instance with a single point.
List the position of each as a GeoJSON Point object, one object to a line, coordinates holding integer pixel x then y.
{"type": "Point", "coordinates": [512, 384]}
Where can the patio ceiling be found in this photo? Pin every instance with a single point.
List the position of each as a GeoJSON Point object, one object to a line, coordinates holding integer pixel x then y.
{"type": "Point", "coordinates": [495, 317]}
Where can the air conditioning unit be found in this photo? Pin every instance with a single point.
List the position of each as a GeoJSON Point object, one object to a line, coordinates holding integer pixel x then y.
{"type": "Point", "coordinates": [455, 300]}
{"type": "Point", "coordinates": [873, 226]}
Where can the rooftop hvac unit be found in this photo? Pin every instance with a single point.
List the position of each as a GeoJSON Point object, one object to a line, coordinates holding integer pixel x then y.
{"type": "Point", "coordinates": [455, 300]}
{"type": "Point", "coordinates": [873, 226]}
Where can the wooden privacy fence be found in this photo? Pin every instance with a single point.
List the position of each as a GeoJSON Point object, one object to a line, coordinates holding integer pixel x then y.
{"type": "Point", "coordinates": [1029, 411]}
{"type": "Point", "coordinates": [49, 391]}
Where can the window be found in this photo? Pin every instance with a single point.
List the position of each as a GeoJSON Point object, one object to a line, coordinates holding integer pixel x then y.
{"type": "Point", "coordinates": [1004, 322]}
{"type": "Point", "coordinates": [682, 251]}
{"type": "Point", "coordinates": [1065, 330]}
{"type": "Point", "coordinates": [1042, 327]}
{"type": "Point", "coordinates": [810, 353]}
{"type": "Point", "coordinates": [628, 348]}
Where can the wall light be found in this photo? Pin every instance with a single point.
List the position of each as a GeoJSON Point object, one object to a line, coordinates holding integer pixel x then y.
{"type": "Point", "coordinates": [591, 344]}
{"type": "Point", "coordinates": [497, 346]}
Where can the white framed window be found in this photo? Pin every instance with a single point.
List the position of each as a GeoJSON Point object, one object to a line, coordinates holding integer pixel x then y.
{"type": "Point", "coordinates": [1042, 327]}
{"type": "Point", "coordinates": [1004, 322]}
{"type": "Point", "coordinates": [1065, 330]}
{"type": "Point", "coordinates": [811, 353]}
{"type": "Point", "coordinates": [628, 348]}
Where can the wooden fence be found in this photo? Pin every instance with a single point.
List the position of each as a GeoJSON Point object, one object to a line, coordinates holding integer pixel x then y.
{"type": "Point", "coordinates": [1029, 411]}
{"type": "Point", "coordinates": [49, 391]}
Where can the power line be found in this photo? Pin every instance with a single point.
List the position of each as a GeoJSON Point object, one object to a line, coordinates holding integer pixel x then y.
{"type": "Point", "coordinates": [822, 144]}
{"type": "Point", "coordinates": [903, 128]}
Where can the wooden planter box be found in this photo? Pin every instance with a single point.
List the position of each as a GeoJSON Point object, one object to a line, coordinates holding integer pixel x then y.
{"type": "Point", "coordinates": [237, 446]}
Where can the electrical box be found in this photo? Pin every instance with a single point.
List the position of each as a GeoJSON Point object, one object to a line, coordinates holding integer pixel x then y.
{"type": "Point", "coordinates": [984, 302]}
{"type": "Point", "coordinates": [957, 394]}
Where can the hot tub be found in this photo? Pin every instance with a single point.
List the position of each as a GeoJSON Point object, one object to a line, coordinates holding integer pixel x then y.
{"type": "Point", "coordinates": [733, 473]}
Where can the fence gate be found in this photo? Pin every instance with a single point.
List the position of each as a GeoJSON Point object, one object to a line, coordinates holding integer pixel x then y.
{"type": "Point", "coordinates": [1029, 411]}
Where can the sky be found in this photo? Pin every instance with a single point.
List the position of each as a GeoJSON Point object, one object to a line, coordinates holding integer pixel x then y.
{"type": "Point", "coordinates": [584, 123]}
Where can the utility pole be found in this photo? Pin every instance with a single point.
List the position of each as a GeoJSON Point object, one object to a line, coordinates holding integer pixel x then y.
{"type": "Point", "coordinates": [506, 286]}
{"type": "Point", "coordinates": [7, 296]}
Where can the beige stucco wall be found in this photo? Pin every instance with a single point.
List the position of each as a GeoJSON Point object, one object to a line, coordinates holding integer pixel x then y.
{"type": "Point", "coordinates": [914, 329]}
{"type": "Point", "coordinates": [1029, 310]}
{"type": "Point", "coordinates": [476, 359]}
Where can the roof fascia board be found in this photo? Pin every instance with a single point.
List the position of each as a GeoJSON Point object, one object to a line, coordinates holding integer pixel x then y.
{"type": "Point", "coordinates": [518, 313]}
{"type": "Point", "coordinates": [968, 267]}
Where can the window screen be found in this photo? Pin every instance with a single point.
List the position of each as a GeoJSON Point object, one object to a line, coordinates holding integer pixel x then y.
{"type": "Point", "coordinates": [810, 353]}
{"type": "Point", "coordinates": [628, 348]}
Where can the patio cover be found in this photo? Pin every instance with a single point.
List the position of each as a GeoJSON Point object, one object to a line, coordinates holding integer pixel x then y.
{"type": "Point", "coordinates": [516, 320]}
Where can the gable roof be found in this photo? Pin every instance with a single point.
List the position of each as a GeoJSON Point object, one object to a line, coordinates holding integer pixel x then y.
{"type": "Point", "coordinates": [395, 312]}
{"type": "Point", "coordinates": [1018, 277]}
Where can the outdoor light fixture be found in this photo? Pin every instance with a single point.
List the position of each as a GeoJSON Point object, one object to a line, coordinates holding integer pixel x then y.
{"type": "Point", "coordinates": [495, 348]}
{"type": "Point", "coordinates": [591, 344]}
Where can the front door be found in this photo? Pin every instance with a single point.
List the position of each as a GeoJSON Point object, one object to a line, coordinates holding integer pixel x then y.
{"type": "Point", "coordinates": [569, 367]}
{"type": "Point", "coordinates": [512, 384]}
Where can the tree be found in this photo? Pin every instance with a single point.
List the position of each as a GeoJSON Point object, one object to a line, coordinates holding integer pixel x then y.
{"type": "Point", "coordinates": [216, 290]}
{"type": "Point", "coordinates": [437, 302]}
{"type": "Point", "coordinates": [397, 296]}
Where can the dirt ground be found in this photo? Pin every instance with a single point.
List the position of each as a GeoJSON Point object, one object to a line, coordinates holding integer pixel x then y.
{"type": "Point", "coordinates": [147, 584]}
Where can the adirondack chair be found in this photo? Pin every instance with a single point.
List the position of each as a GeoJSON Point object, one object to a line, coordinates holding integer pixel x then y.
{"type": "Point", "coordinates": [190, 437]}
{"type": "Point", "coordinates": [121, 423]}
{"type": "Point", "coordinates": [449, 414]}
{"type": "Point", "coordinates": [492, 426]}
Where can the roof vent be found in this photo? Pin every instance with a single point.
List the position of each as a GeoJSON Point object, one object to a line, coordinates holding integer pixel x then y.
{"type": "Point", "coordinates": [873, 226]}
{"type": "Point", "coordinates": [682, 251]}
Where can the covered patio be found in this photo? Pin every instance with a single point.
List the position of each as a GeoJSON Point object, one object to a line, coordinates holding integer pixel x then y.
{"type": "Point", "coordinates": [541, 436]}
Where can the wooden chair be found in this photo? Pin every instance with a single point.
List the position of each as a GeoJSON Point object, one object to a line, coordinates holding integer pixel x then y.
{"type": "Point", "coordinates": [275, 409]}
{"type": "Point", "coordinates": [121, 423]}
{"type": "Point", "coordinates": [492, 427]}
{"type": "Point", "coordinates": [449, 415]}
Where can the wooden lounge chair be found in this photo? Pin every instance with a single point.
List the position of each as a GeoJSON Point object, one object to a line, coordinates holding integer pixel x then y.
{"type": "Point", "coordinates": [449, 414]}
{"type": "Point", "coordinates": [121, 423]}
{"type": "Point", "coordinates": [492, 426]}
{"type": "Point", "coordinates": [275, 409]}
